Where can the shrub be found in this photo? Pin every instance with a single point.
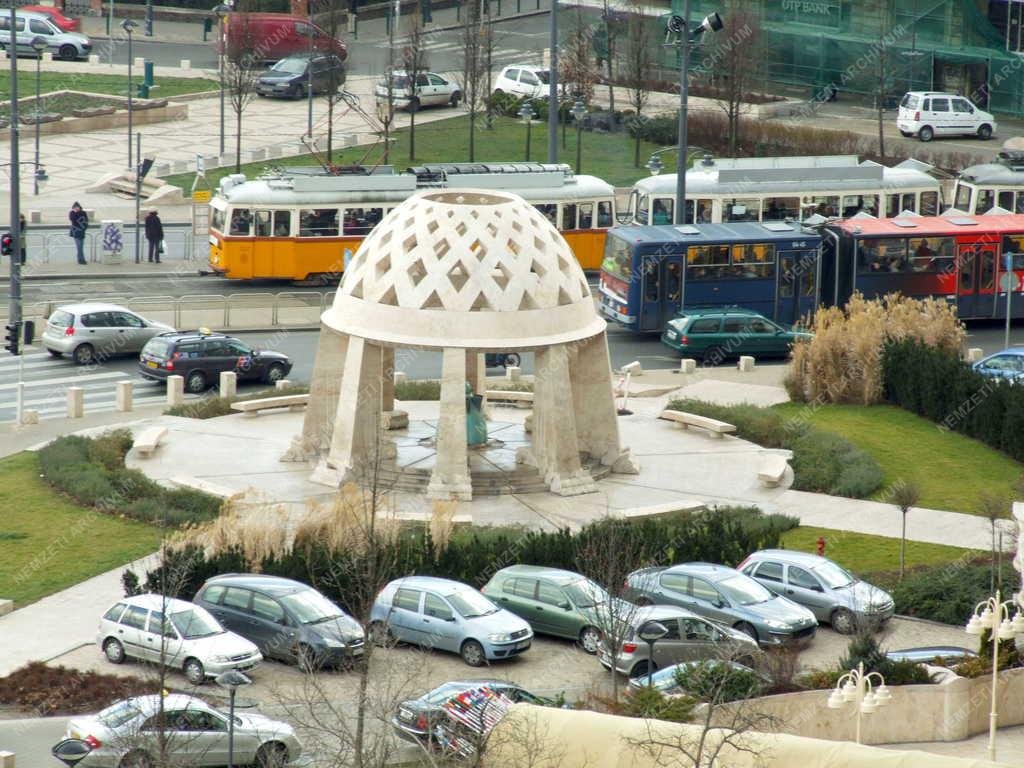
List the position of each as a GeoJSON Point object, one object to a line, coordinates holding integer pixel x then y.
{"type": "Point", "coordinates": [418, 389]}
{"type": "Point", "coordinates": [651, 703]}
{"type": "Point", "coordinates": [718, 683]}
{"type": "Point", "coordinates": [948, 594]}
{"type": "Point", "coordinates": [110, 448]}
{"type": "Point", "coordinates": [50, 690]}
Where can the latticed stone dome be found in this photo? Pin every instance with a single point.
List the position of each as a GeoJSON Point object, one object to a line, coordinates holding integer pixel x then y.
{"type": "Point", "coordinates": [474, 268]}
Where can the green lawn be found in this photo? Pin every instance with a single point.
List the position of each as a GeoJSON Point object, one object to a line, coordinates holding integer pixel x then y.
{"type": "Point", "coordinates": [77, 81]}
{"type": "Point", "coordinates": [48, 543]}
{"type": "Point", "coordinates": [607, 156]}
{"type": "Point", "coordinates": [952, 471]}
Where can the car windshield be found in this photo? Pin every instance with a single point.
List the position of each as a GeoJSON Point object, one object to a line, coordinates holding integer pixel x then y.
{"type": "Point", "coordinates": [743, 590]}
{"type": "Point", "coordinates": [586, 594]}
{"type": "Point", "coordinates": [310, 607]}
{"type": "Point", "coordinates": [290, 66]}
{"type": "Point", "coordinates": [833, 576]}
{"type": "Point", "coordinates": [471, 604]}
{"type": "Point", "coordinates": [444, 692]}
{"type": "Point", "coordinates": [118, 714]}
{"type": "Point", "coordinates": [192, 624]}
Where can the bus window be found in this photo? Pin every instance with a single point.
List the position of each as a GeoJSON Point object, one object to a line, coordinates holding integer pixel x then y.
{"type": "Point", "coordinates": [282, 223]}
{"type": "Point", "coordinates": [781, 208]}
{"type": "Point", "coordinates": [568, 216]}
{"type": "Point", "coordinates": [929, 204]}
{"type": "Point", "coordinates": [673, 281]}
{"type": "Point", "coordinates": [359, 221]}
{"type": "Point", "coordinates": [318, 222]}
{"type": "Point", "coordinates": [651, 286]}
{"type": "Point", "coordinates": [966, 270]}
{"type": "Point", "coordinates": [703, 211]}
{"type": "Point", "coordinates": [741, 210]}
{"type": "Point", "coordinates": [661, 212]}
{"type": "Point", "coordinates": [854, 204]}
{"type": "Point", "coordinates": [824, 206]}
{"type": "Point", "coordinates": [643, 203]}
{"type": "Point", "coordinates": [1014, 245]}
{"type": "Point", "coordinates": [882, 255]}
{"type": "Point", "coordinates": [262, 222]}
{"type": "Point", "coordinates": [931, 255]}
{"type": "Point", "coordinates": [604, 213]}
{"type": "Point", "coordinates": [241, 220]}
{"type": "Point", "coordinates": [807, 282]}
{"type": "Point", "coordinates": [1006, 200]}
{"type": "Point", "coordinates": [707, 262]}
{"type": "Point", "coordinates": [586, 215]}
{"type": "Point", "coordinates": [217, 218]}
{"type": "Point", "coordinates": [550, 211]}
{"type": "Point", "coordinates": [961, 201]}
{"type": "Point", "coordinates": [986, 200]}
{"type": "Point", "coordinates": [753, 260]}
{"type": "Point", "coordinates": [618, 258]}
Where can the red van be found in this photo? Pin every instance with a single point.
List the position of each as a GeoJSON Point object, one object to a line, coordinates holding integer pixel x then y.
{"type": "Point", "coordinates": [275, 36]}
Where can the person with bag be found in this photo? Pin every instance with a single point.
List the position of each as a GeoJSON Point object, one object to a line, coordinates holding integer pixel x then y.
{"type": "Point", "coordinates": [154, 236]}
{"type": "Point", "coordinates": [79, 223]}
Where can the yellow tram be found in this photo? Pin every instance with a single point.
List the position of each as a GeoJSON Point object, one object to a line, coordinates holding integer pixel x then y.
{"type": "Point", "coordinates": [305, 224]}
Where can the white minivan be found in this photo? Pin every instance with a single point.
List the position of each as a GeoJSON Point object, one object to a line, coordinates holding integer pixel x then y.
{"type": "Point", "coordinates": [31, 25]}
{"type": "Point", "coordinates": [927, 114]}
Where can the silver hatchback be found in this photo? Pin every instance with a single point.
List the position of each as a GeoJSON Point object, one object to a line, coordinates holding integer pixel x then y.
{"type": "Point", "coordinates": [92, 333]}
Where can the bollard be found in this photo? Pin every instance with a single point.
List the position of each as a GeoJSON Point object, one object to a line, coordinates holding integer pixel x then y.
{"type": "Point", "coordinates": [29, 416]}
{"type": "Point", "coordinates": [687, 365]}
{"type": "Point", "coordinates": [228, 383]}
{"type": "Point", "coordinates": [513, 373]}
{"type": "Point", "coordinates": [7, 758]}
{"type": "Point", "coordinates": [124, 396]}
{"type": "Point", "coordinates": [633, 369]}
{"type": "Point", "coordinates": [48, 56]}
{"type": "Point", "coordinates": [94, 58]}
{"type": "Point", "coordinates": [140, 62]}
{"type": "Point", "coordinates": [746, 364]}
{"type": "Point", "coordinates": [76, 402]}
{"type": "Point", "coordinates": [400, 377]}
{"type": "Point", "coordinates": [282, 384]}
{"type": "Point", "coordinates": [186, 64]}
{"type": "Point", "coordinates": [175, 390]}
{"type": "Point", "coordinates": [974, 354]}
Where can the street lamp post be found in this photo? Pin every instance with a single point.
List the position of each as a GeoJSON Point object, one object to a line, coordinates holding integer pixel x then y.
{"type": "Point", "coordinates": [232, 680]}
{"type": "Point", "coordinates": [857, 688]}
{"type": "Point", "coordinates": [15, 210]}
{"type": "Point", "coordinates": [527, 114]}
{"type": "Point", "coordinates": [221, 11]}
{"type": "Point", "coordinates": [579, 111]}
{"type": "Point", "coordinates": [650, 633]}
{"type": "Point", "coordinates": [553, 87]}
{"type": "Point", "coordinates": [129, 27]}
{"type": "Point", "coordinates": [994, 615]}
{"type": "Point", "coordinates": [38, 45]}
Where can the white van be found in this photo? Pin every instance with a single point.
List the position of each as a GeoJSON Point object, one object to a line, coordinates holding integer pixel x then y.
{"type": "Point", "coordinates": [927, 114]}
{"type": "Point", "coordinates": [64, 45]}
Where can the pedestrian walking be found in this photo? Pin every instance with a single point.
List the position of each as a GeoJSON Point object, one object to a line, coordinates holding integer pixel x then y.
{"type": "Point", "coordinates": [22, 226]}
{"type": "Point", "coordinates": [154, 235]}
{"type": "Point", "coordinates": [79, 223]}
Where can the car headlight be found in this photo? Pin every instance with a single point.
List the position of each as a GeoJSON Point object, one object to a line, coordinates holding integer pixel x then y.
{"type": "Point", "coordinates": [775, 624]}
{"type": "Point", "coordinates": [221, 659]}
{"type": "Point", "coordinates": [330, 642]}
{"type": "Point", "coordinates": [499, 637]}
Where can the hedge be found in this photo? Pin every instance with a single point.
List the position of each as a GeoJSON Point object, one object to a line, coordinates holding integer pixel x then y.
{"type": "Point", "coordinates": [949, 593]}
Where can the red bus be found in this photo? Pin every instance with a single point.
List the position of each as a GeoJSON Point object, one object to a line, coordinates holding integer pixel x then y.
{"type": "Point", "coordinates": [957, 257]}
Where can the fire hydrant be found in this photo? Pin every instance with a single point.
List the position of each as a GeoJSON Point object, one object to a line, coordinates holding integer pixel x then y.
{"type": "Point", "coordinates": [821, 546]}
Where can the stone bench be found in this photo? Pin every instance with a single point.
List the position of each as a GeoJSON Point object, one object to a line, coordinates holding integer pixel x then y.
{"type": "Point", "coordinates": [661, 510]}
{"type": "Point", "coordinates": [521, 399]}
{"type": "Point", "coordinates": [772, 470]}
{"type": "Point", "coordinates": [205, 486]}
{"type": "Point", "coordinates": [148, 440]}
{"type": "Point", "coordinates": [253, 407]}
{"type": "Point", "coordinates": [714, 427]}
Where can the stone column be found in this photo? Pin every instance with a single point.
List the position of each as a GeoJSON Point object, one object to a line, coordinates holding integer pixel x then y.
{"type": "Point", "coordinates": [228, 384]}
{"type": "Point", "coordinates": [124, 396]}
{"type": "Point", "coordinates": [175, 390]}
{"type": "Point", "coordinates": [75, 403]}
{"type": "Point", "coordinates": [391, 418]}
{"type": "Point", "coordinates": [355, 441]}
{"type": "Point", "coordinates": [555, 447]}
{"type": "Point", "coordinates": [476, 371]}
{"type": "Point", "coordinates": [450, 478]}
{"type": "Point", "coordinates": [318, 423]}
{"type": "Point", "coordinates": [597, 422]}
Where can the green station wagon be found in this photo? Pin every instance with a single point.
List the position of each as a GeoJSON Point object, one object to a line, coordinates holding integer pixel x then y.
{"type": "Point", "coordinates": [554, 602]}
{"type": "Point", "coordinates": [715, 334]}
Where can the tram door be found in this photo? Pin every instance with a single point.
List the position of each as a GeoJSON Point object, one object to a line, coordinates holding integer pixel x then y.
{"type": "Point", "coordinates": [976, 280]}
{"type": "Point", "coordinates": [661, 291]}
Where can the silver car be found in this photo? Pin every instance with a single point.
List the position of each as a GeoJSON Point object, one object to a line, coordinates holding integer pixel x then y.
{"type": "Point", "coordinates": [92, 333]}
{"type": "Point", "coordinates": [689, 638]}
{"type": "Point", "coordinates": [831, 593]}
{"type": "Point", "coordinates": [126, 734]}
{"type": "Point", "coordinates": [32, 25]}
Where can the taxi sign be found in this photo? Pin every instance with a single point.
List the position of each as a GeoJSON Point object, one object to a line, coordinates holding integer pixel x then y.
{"type": "Point", "coordinates": [201, 196]}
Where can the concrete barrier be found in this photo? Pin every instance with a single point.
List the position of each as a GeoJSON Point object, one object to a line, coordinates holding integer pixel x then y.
{"type": "Point", "coordinates": [76, 402]}
{"type": "Point", "coordinates": [282, 384]}
{"type": "Point", "coordinates": [6, 758]}
{"type": "Point", "coordinates": [746, 364]}
{"type": "Point", "coordinates": [687, 365]}
{"type": "Point", "coordinates": [186, 64]}
{"type": "Point", "coordinates": [513, 373]}
{"type": "Point", "coordinates": [400, 377]}
{"type": "Point", "coordinates": [175, 390]}
{"type": "Point", "coordinates": [228, 383]}
{"type": "Point", "coordinates": [124, 396]}
{"type": "Point", "coordinates": [29, 416]}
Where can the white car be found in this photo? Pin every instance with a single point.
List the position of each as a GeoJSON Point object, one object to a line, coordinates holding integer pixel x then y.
{"type": "Point", "coordinates": [32, 25]}
{"type": "Point", "coordinates": [523, 80]}
{"type": "Point", "coordinates": [431, 90]}
{"type": "Point", "coordinates": [94, 332]}
{"type": "Point", "coordinates": [191, 639]}
{"type": "Point", "coordinates": [124, 735]}
{"type": "Point", "coordinates": [927, 114]}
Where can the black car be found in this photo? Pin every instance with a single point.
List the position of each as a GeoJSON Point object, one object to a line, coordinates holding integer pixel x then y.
{"type": "Point", "coordinates": [201, 356]}
{"type": "Point", "coordinates": [286, 619]}
{"type": "Point", "coordinates": [291, 77]}
{"type": "Point", "coordinates": [417, 719]}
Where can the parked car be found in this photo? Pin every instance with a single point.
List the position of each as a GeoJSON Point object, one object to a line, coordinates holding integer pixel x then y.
{"type": "Point", "coordinates": [275, 36]}
{"type": "Point", "coordinates": [667, 680]}
{"type": "Point", "coordinates": [65, 23]}
{"type": "Point", "coordinates": [286, 619]}
{"type": "Point", "coordinates": [94, 332]}
{"type": "Point", "coordinates": [832, 593]}
{"type": "Point", "coordinates": [415, 720]}
{"type": "Point", "coordinates": [431, 90]}
{"type": "Point", "coordinates": [201, 356]}
{"type": "Point", "coordinates": [126, 735]}
{"type": "Point", "coordinates": [448, 616]}
{"type": "Point", "coordinates": [523, 80]}
{"type": "Point", "coordinates": [1008, 364]}
{"type": "Point", "coordinates": [927, 114]}
{"type": "Point", "coordinates": [555, 602]}
{"type": "Point", "coordinates": [714, 334]}
{"type": "Point", "coordinates": [689, 638]}
{"type": "Point", "coordinates": [181, 635]}
{"type": "Point", "coordinates": [292, 77]}
{"type": "Point", "coordinates": [727, 596]}
{"type": "Point", "coordinates": [930, 654]}
{"type": "Point", "coordinates": [502, 359]}
{"type": "Point", "coordinates": [63, 45]}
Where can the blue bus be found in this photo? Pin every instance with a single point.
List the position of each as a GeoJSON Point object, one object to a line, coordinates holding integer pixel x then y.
{"type": "Point", "coordinates": [650, 273]}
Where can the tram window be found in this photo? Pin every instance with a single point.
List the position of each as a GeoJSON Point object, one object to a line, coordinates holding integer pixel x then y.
{"type": "Point", "coordinates": [550, 211]}
{"type": "Point", "coordinates": [929, 204]}
{"type": "Point", "coordinates": [962, 200]}
{"type": "Point", "coordinates": [263, 222]}
{"type": "Point", "coordinates": [824, 206]}
{"type": "Point", "coordinates": [853, 204]}
{"type": "Point", "coordinates": [241, 221]}
{"type": "Point", "coordinates": [318, 222]}
{"type": "Point", "coordinates": [892, 205]}
{"type": "Point", "coordinates": [1019, 207]}
{"type": "Point", "coordinates": [359, 221]}
{"type": "Point", "coordinates": [741, 210]}
{"type": "Point", "coordinates": [1014, 245]}
{"type": "Point", "coordinates": [217, 219]}
{"type": "Point", "coordinates": [781, 208]}
{"type": "Point", "coordinates": [643, 204]}
{"type": "Point", "coordinates": [661, 212]}
{"type": "Point", "coordinates": [1006, 200]}
{"type": "Point", "coordinates": [704, 211]}
{"type": "Point", "coordinates": [604, 213]}
{"type": "Point", "coordinates": [586, 215]}
{"type": "Point", "coordinates": [282, 223]}
{"type": "Point", "coordinates": [753, 260]}
{"type": "Point", "coordinates": [986, 200]}
{"type": "Point", "coordinates": [882, 255]}
{"type": "Point", "coordinates": [931, 254]}
{"type": "Point", "coordinates": [568, 216]}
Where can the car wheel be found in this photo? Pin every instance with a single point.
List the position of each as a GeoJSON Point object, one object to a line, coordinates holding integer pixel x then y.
{"type": "Point", "coordinates": [512, 360]}
{"type": "Point", "coordinates": [456, 98]}
{"type": "Point", "coordinates": [195, 382]}
{"type": "Point", "coordinates": [194, 671]}
{"type": "Point", "coordinates": [590, 639]}
{"type": "Point", "coordinates": [926, 133]}
{"type": "Point", "coordinates": [114, 650]}
{"type": "Point", "coordinates": [414, 105]}
{"type": "Point", "coordinates": [985, 132]}
{"type": "Point", "coordinates": [308, 658]}
{"type": "Point", "coordinates": [747, 629]}
{"type": "Point", "coordinates": [68, 52]}
{"type": "Point", "coordinates": [300, 91]}
{"type": "Point", "coordinates": [498, 92]}
{"type": "Point", "coordinates": [272, 755]}
{"type": "Point", "coordinates": [640, 669]}
{"type": "Point", "coordinates": [473, 653]}
{"type": "Point", "coordinates": [275, 373]}
{"type": "Point", "coordinates": [83, 354]}
{"type": "Point", "coordinates": [135, 759]}
{"type": "Point", "coordinates": [54, 352]}
{"type": "Point", "coordinates": [843, 621]}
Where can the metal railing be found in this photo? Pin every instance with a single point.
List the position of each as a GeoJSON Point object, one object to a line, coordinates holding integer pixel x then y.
{"type": "Point", "coordinates": [51, 244]}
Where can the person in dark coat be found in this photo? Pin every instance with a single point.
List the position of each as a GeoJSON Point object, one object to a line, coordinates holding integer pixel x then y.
{"type": "Point", "coordinates": [154, 235]}
{"type": "Point", "coordinates": [79, 223]}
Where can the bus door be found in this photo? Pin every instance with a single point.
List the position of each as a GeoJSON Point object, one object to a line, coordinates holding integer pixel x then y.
{"type": "Point", "coordinates": [661, 290]}
{"type": "Point", "coordinates": [787, 302]}
{"type": "Point", "coordinates": [976, 279]}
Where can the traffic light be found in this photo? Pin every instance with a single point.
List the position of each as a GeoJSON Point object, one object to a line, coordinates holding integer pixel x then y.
{"type": "Point", "coordinates": [6, 244]}
{"type": "Point", "coordinates": [11, 339]}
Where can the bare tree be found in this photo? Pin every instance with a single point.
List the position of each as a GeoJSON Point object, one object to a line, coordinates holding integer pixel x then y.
{"type": "Point", "coordinates": [414, 62]}
{"type": "Point", "coordinates": [577, 72]}
{"type": "Point", "coordinates": [386, 106]}
{"type": "Point", "coordinates": [904, 495]}
{"type": "Point", "coordinates": [241, 72]}
{"type": "Point", "coordinates": [473, 77]}
{"type": "Point", "coordinates": [994, 507]}
{"type": "Point", "coordinates": [336, 76]}
{"type": "Point", "coordinates": [635, 67]}
{"type": "Point", "coordinates": [733, 65]}
{"type": "Point", "coordinates": [610, 33]}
